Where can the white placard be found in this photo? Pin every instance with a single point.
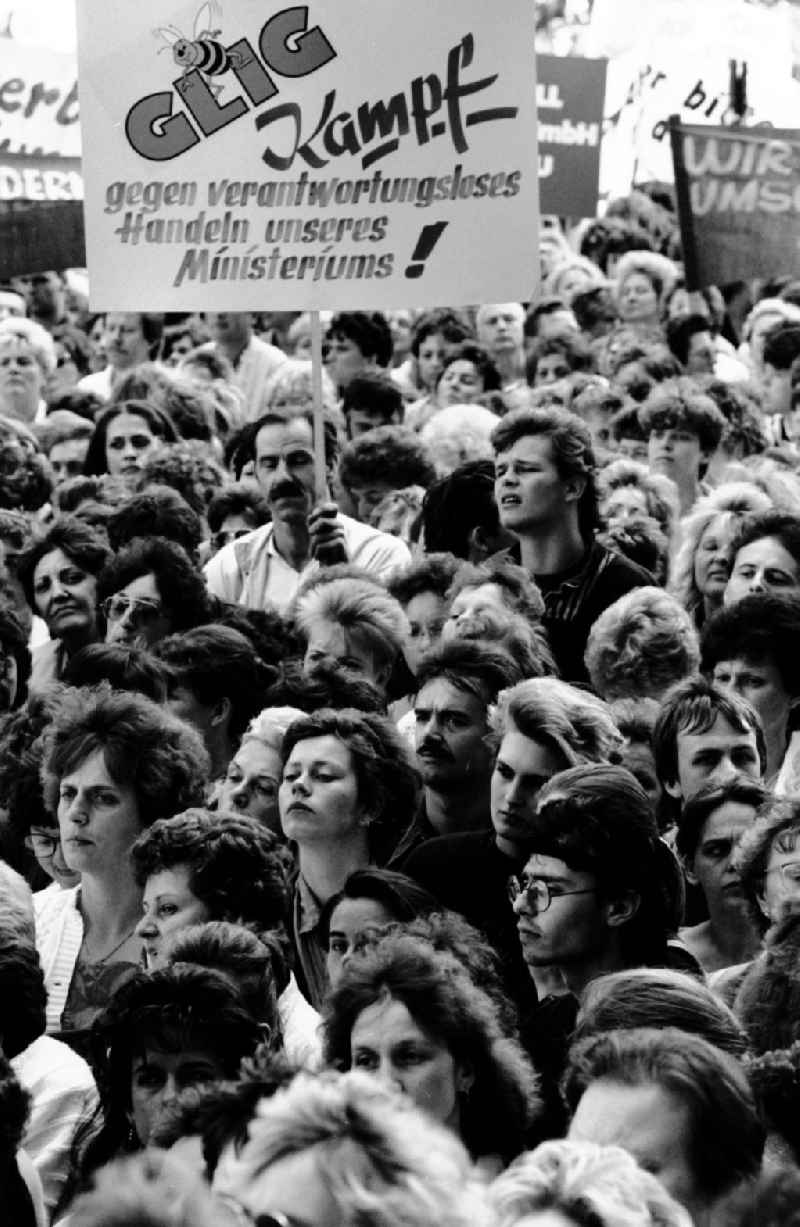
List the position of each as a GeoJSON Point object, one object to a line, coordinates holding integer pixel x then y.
{"type": "Point", "coordinates": [344, 154]}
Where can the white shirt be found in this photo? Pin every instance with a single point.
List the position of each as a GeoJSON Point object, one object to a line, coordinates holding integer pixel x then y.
{"type": "Point", "coordinates": [251, 572]}
{"type": "Point", "coordinates": [253, 372]}
{"type": "Point", "coordinates": [98, 382]}
{"type": "Point", "coordinates": [63, 1093]}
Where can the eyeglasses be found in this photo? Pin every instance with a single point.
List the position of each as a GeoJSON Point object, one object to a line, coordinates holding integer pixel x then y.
{"type": "Point", "coordinates": [789, 871]}
{"type": "Point", "coordinates": [42, 845]}
{"type": "Point", "coordinates": [139, 612]}
{"type": "Point", "coordinates": [539, 894]}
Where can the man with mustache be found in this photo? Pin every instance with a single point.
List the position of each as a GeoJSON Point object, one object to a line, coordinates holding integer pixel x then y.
{"type": "Point", "coordinates": [267, 566]}
{"type": "Point", "coordinates": [457, 683]}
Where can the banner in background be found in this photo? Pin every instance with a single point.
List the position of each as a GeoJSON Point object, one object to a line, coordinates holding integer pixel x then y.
{"type": "Point", "coordinates": [738, 192]}
{"type": "Point", "coordinates": [38, 101]}
{"type": "Point", "coordinates": [671, 57]}
{"type": "Point", "coordinates": [570, 95]}
{"type": "Point", "coordinates": [359, 155]}
{"type": "Point", "coordinates": [41, 214]}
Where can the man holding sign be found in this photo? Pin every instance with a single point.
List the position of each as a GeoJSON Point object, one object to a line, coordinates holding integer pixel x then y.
{"type": "Point", "coordinates": [267, 566]}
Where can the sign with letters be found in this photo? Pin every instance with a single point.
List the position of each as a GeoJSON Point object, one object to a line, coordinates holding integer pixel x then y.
{"type": "Point", "coordinates": [365, 154]}
{"type": "Point", "coordinates": [570, 95]}
{"type": "Point", "coordinates": [738, 192]}
{"type": "Point", "coordinates": [41, 214]}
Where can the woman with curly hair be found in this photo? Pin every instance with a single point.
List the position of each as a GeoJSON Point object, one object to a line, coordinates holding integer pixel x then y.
{"type": "Point", "coordinates": [629, 490]}
{"type": "Point", "coordinates": [150, 590]}
{"type": "Point", "coordinates": [113, 764]}
{"type": "Point", "coordinates": [348, 790]}
{"type": "Point", "coordinates": [59, 575]}
{"type": "Point", "coordinates": [643, 283]}
{"type": "Point", "coordinates": [411, 1016]}
{"type": "Point", "coordinates": [580, 1184]}
{"type": "Point", "coordinates": [703, 562]}
{"type": "Point", "coordinates": [641, 645]}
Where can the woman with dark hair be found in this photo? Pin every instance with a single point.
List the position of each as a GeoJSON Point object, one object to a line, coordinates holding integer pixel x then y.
{"type": "Point", "coordinates": [200, 867]}
{"type": "Point", "coordinates": [113, 764]}
{"type": "Point", "coordinates": [369, 899]}
{"type": "Point", "coordinates": [28, 821]}
{"type": "Point", "coordinates": [160, 1034]}
{"type": "Point", "coordinates": [710, 826]}
{"type": "Point", "coordinates": [124, 436]}
{"type": "Point", "coordinates": [348, 790]}
{"type": "Point", "coordinates": [468, 372]}
{"type": "Point", "coordinates": [411, 1016]}
{"type": "Point", "coordinates": [123, 667]}
{"type": "Point", "coordinates": [58, 572]}
{"type": "Point", "coordinates": [150, 590]}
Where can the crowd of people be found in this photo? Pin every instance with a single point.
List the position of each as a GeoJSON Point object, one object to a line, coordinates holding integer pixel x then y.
{"type": "Point", "coordinates": [424, 850]}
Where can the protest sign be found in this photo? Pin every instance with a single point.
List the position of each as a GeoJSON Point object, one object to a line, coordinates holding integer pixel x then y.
{"type": "Point", "coordinates": [738, 192]}
{"type": "Point", "coordinates": [38, 101]}
{"type": "Point", "coordinates": [41, 214]}
{"type": "Point", "coordinates": [570, 92]}
{"type": "Point", "coordinates": [671, 57]}
{"type": "Point", "coordinates": [366, 154]}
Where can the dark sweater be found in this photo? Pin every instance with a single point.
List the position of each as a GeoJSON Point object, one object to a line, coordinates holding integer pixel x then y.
{"type": "Point", "coordinates": [575, 598]}
{"type": "Point", "coordinates": [468, 874]}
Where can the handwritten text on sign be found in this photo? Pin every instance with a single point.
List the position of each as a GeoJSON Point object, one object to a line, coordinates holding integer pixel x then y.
{"type": "Point", "coordinates": [332, 155]}
{"type": "Point", "coordinates": [739, 192]}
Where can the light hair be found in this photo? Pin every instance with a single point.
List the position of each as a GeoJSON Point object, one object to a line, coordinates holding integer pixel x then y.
{"type": "Point", "coordinates": [293, 378]}
{"type": "Point", "coordinates": [363, 611]}
{"type": "Point", "coordinates": [660, 493]}
{"type": "Point", "coordinates": [576, 724]}
{"type": "Point", "coordinates": [571, 263]}
{"type": "Point", "coordinates": [270, 725]}
{"type": "Point", "coordinates": [37, 339]}
{"type": "Point", "coordinates": [769, 306]}
{"type": "Point", "coordinates": [735, 500]}
{"type": "Point", "coordinates": [641, 645]}
{"type": "Point", "coordinates": [459, 434]}
{"type": "Point", "coordinates": [384, 1163]}
{"type": "Point", "coordinates": [588, 1184]}
{"type": "Point", "coordinates": [660, 270]}
{"type": "Point", "coordinates": [151, 1189]}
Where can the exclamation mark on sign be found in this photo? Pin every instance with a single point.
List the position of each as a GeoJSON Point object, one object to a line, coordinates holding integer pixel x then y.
{"type": "Point", "coordinates": [429, 237]}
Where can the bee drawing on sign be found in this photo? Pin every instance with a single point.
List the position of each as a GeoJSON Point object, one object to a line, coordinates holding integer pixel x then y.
{"type": "Point", "coordinates": [203, 50]}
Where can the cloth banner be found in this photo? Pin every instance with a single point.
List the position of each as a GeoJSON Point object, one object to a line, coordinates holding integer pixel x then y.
{"type": "Point", "coordinates": [358, 155]}
{"type": "Point", "coordinates": [738, 192]}
{"type": "Point", "coordinates": [41, 214]}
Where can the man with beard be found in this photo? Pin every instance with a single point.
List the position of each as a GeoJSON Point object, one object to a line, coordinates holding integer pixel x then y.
{"type": "Point", "coordinates": [267, 566]}
{"type": "Point", "coordinates": [457, 683]}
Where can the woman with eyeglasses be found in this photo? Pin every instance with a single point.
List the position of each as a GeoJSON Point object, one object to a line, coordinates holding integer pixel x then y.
{"type": "Point", "coordinates": [113, 763]}
{"type": "Point", "coordinates": [411, 1017]}
{"type": "Point", "coordinates": [58, 572]}
{"type": "Point", "coordinates": [150, 590]}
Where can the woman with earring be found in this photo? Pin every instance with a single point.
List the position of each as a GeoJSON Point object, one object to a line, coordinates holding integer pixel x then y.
{"type": "Point", "coordinates": [348, 791]}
